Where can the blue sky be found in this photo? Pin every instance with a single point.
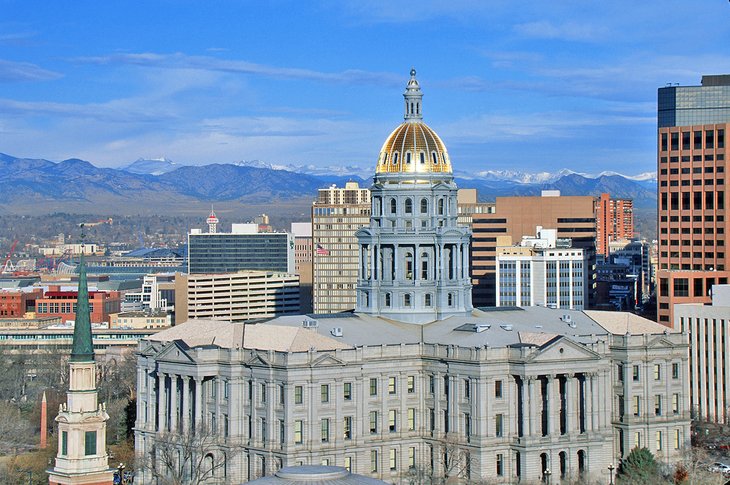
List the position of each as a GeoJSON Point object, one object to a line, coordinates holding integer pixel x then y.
{"type": "Point", "coordinates": [530, 85]}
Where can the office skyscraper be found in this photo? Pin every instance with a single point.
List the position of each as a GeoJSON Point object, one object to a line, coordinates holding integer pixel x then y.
{"type": "Point", "coordinates": [692, 124]}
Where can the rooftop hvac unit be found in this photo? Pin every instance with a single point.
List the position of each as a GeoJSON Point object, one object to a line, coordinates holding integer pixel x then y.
{"type": "Point", "coordinates": [336, 332]}
{"type": "Point", "coordinates": [566, 318]}
{"type": "Point", "coordinates": [310, 324]}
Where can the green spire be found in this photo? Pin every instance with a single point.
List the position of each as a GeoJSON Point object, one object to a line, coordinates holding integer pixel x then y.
{"type": "Point", "coordinates": [83, 348]}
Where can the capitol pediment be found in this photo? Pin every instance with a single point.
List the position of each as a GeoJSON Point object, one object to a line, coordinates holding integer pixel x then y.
{"type": "Point", "coordinates": [562, 349]}
{"type": "Point", "coordinates": [327, 360]}
{"type": "Point", "coordinates": [661, 343]}
{"type": "Point", "coordinates": [175, 352]}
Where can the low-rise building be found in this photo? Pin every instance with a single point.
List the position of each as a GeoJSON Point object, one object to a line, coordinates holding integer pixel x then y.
{"type": "Point", "coordinates": [144, 319]}
{"type": "Point", "coordinates": [236, 297]}
{"type": "Point", "coordinates": [14, 303]}
{"type": "Point", "coordinates": [56, 302]}
{"type": "Point", "coordinates": [708, 327]}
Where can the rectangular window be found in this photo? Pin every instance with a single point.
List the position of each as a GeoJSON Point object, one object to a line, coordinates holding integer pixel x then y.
{"type": "Point", "coordinates": [298, 431]}
{"type": "Point", "coordinates": [391, 385]}
{"type": "Point", "coordinates": [467, 425]}
{"type": "Point", "coordinates": [637, 406]}
{"type": "Point", "coordinates": [637, 439]}
{"type": "Point", "coordinates": [348, 463]}
{"type": "Point", "coordinates": [412, 457]}
{"type": "Point", "coordinates": [225, 425]}
{"type": "Point", "coordinates": [373, 461]}
{"type": "Point", "coordinates": [392, 421]}
{"type": "Point", "coordinates": [411, 384]}
{"type": "Point", "coordinates": [298, 394]}
{"type": "Point", "coordinates": [658, 440]}
{"type": "Point", "coordinates": [657, 372]}
{"type": "Point", "coordinates": [411, 419]}
{"type": "Point", "coordinates": [467, 389]}
{"type": "Point", "coordinates": [263, 393]}
{"type": "Point", "coordinates": [347, 392]}
{"type": "Point", "coordinates": [282, 394]}
{"type": "Point", "coordinates": [500, 464]}
{"type": "Point", "coordinates": [658, 405]}
{"type": "Point", "coordinates": [90, 443]}
{"type": "Point", "coordinates": [675, 370]}
{"type": "Point", "coordinates": [324, 391]}
{"type": "Point", "coordinates": [393, 459]}
{"type": "Point", "coordinates": [636, 373]}
{"type": "Point", "coordinates": [675, 403]}
{"type": "Point", "coordinates": [676, 439]}
{"type": "Point", "coordinates": [64, 443]}
{"type": "Point", "coordinates": [498, 419]}
{"type": "Point", "coordinates": [373, 386]}
{"type": "Point", "coordinates": [347, 434]}
{"type": "Point", "coordinates": [373, 422]}
{"type": "Point", "coordinates": [498, 389]}
{"type": "Point", "coordinates": [325, 430]}
{"type": "Point", "coordinates": [431, 384]}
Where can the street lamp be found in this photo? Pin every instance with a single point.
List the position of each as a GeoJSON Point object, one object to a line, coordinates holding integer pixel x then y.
{"type": "Point", "coordinates": [611, 468]}
{"type": "Point", "coordinates": [547, 475]}
{"type": "Point", "coordinates": [120, 472]}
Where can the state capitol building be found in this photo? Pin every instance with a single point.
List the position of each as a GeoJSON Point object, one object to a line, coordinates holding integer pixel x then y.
{"type": "Point", "coordinates": [416, 384]}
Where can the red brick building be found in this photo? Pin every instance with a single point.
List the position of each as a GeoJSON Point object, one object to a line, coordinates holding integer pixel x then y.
{"type": "Point", "coordinates": [63, 304]}
{"type": "Point", "coordinates": [614, 221]}
{"type": "Point", "coordinates": [15, 303]}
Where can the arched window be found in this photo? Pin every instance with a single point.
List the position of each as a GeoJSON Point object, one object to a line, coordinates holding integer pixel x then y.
{"type": "Point", "coordinates": [581, 461]}
{"type": "Point", "coordinates": [424, 266]}
{"type": "Point", "coordinates": [434, 158]}
{"type": "Point", "coordinates": [423, 158]}
{"type": "Point", "coordinates": [408, 157]}
{"type": "Point", "coordinates": [427, 300]}
{"type": "Point", "coordinates": [409, 206]}
{"type": "Point", "coordinates": [392, 206]}
{"type": "Point", "coordinates": [385, 158]}
{"type": "Point", "coordinates": [450, 299]}
{"type": "Point", "coordinates": [409, 265]}
{"type": "Point", "coordinates": [563, 464]}
{"type": "Point", "coordinates": [441, 207]}
{"type": "Point", "coordinates": [443, 156]}
{"type": "Point", "coordinates": [407, 300]}
{"type": "Point", "coordinates": [366, 298]}
{"type": "Point", "coordinates": [208, 465]}
{"type": "Point", "coordinates": [387, 299]}
{"type": "Point", "coordinates": [424, 206]}
{"type": "Point", "coordinates": [544, 466]}
{"type": "Point", "coordinates": [411, 108]}
{"type": "Point", "coordinates": [395, 158]}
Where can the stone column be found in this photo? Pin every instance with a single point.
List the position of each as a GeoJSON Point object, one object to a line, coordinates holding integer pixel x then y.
{"type": "Point", "coordinates": [198, 403]}
{"type": "Point", "coordinates": [524, 425]}
{"type": "Point", "coordinates": [592, 402]}
{"type": "Point", "coordinates": [218, 395]}
{"type": "Point", "coordinates": [174, 400]}
{"type": "Point", "coordinates": [150, 424]}
{"type": "Point", "coordinates": [570, 398]}
{"type": "Point", "coordinates": [161, 401]}
{"type": "Point", "coordinates": [532, 406]}
{"type": "Point", "coordinates": [186, 404]}
{"type": "Point", "coordinates": [553, 409]}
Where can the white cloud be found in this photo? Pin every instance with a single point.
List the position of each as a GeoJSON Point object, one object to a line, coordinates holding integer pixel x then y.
{"type": "Point", "coordinates": [11, 71]}
{"type": "Point", "coordinates": [570, 31]}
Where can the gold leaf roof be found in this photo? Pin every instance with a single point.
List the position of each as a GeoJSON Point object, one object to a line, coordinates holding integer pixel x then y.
{"type": "Point", "coordinates": [413, 147]}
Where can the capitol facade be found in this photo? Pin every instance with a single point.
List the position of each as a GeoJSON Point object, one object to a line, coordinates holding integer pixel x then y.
{"type": "Point", "coordinates": [416, 385]}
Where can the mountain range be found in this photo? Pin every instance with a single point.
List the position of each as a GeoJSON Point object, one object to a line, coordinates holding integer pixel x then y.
{"type": "Point", "coordinates": [74, 185]}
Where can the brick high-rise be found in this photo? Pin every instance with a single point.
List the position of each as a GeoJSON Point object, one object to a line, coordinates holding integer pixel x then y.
{"type": "Point", "coordinates": [614, 221]}
{"type": "Point", "coordinates": [692, 124]}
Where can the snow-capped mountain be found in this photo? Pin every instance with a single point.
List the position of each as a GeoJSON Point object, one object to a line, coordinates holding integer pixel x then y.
{"type": "Point", "coordinates": [151, 166]}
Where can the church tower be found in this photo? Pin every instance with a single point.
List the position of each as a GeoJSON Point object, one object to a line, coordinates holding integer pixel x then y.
{"type": "Point", "coordinates": [414, 258]}
{"type": "Point", "coordinates": [82, 456]}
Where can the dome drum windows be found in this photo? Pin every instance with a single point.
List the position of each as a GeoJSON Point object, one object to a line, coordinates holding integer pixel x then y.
{"type": "Point", "coordinates": [424, 206]}
{"type": "Point", "coordinates": [395, 158]}
{"type": "Point", "coordinates": [408, 158]}
{"type": "Point", "coordinates": [393, 206]}
{"type": "Point", "coordinates": [434, 158]}
{"type": "Point", "coordinates": [408, 206]}
{"type": "Point", "coordinates": [423, 158]}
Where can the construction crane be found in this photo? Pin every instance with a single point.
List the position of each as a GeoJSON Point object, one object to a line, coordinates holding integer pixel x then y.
{"type": "Point", "coordinates": [7, 264]}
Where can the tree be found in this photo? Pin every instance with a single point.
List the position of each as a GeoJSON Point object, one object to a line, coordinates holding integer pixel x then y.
{"type": "Point", "coordinates": [189, 458]}
{"type": "Point", "coordinates": [639, 467]}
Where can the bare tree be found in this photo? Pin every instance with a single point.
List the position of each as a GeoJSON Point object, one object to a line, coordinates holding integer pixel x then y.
{"type": "Point", "coordinates": [190, 458]}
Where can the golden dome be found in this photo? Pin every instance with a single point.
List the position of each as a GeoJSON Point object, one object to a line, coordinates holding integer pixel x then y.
{"type": "Point", "coordinates": [413, 147]}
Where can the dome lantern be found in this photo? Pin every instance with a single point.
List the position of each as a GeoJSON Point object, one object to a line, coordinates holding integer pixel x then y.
{"type": "Point", "coordinates": [413, 98]}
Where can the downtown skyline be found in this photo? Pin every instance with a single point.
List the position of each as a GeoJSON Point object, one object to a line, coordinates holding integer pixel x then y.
{"type": "Point", "coordinates": [535, 88]}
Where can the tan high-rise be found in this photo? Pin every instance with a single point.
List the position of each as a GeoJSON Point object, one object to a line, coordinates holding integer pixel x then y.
{"type": "Point", "coordinates": [572, 216]}
{"type": "Point", "coordinates": [693, 122]}
{"type": "Point", "coordinates": [614, 222]}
